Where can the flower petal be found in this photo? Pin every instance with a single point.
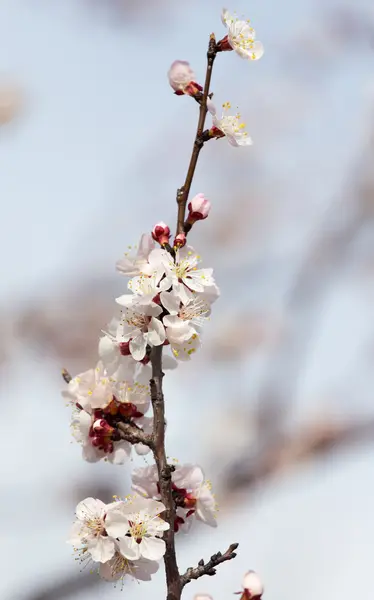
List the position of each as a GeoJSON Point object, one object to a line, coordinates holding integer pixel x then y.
{"type": "Point", "coordinates": [152, 548]}
{"type": "Point", "coordinates": [89, 508]}
{"type": "Point", "coordinates": [121, 453]}
{"type": "Point", "coordinates": [170, 301]}
{"type": "Point", "coordinates": [156, 332]}
{"type": "Point", "coordinates": [129, 548]}
{"type": "Point", "coordinates": [137, 347]}
{"type": "Point", "coordinates": [116, 522]}
{"type": "Point", "coordinates": [101, 548]}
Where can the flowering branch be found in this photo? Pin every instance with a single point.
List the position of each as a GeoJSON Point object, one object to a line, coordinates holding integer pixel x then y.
{"type": "Point", "coordinates": [182, 193]}
{"type": "Point", "coordinates": [170, 299]}
{"type": "Point", "coordinates": [209, 567]}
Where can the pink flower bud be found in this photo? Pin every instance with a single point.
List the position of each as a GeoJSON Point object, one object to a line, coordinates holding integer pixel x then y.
{"type": "Point", "coordinates": [180, 240]}
{"type": "Point", "coordinates": [203, 597]}
{"type": "Point", "coordinates": [199, 208]}
{"type": "Point", "coordinates": [161, 233]}
{"type": "Point", "coordinates": [182, 78]}
{"type": "Point", "coordinates": [101, 426]}
{"type": "Point", "coordinates": [252, 584]}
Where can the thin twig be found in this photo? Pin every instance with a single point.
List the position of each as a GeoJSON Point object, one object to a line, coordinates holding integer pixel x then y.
{"type": "Point", "coordinates": [173, 579]}
{"type": "Point", "coordinates": [134, 435]}
{"type": "Point", "coordinates": [66, 376]}
{"type": "Point", "coordinates": [182, 193]}
{"type": "Point", "coordinates": [209, 567]}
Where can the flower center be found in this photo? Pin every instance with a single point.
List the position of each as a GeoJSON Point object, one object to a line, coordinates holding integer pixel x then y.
{"type": "Point", "coordinates": [96, 526]}
{"type": "Point", "coordinates": [138, 530]}
{"type": "Point", "coordinates": [137, 320]}
{"type": "Point", "coordinates": [195, 310]}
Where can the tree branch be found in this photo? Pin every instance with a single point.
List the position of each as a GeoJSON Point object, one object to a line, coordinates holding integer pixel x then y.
{"type": "Point", "coordinates": [209, 567]}
{"type": "Point", "coordinates": [182, 193]}
{"type": "Point", "coordinates": [134, 434]}
{"type": "Point", "coordinates": [173, 579]}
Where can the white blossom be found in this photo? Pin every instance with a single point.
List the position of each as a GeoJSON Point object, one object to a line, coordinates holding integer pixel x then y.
{"type": "Point", "coordinates": [191, 492]}
{"type": "Point", "coordinates": [230, 126]}
{"type": "Point", "coordinates": [183, 275]}
{"type": "Point", "coordinates": [185, 318]}
{"type": "Point", "coordinates": [183, 351]}
{"type": "Point", "coordinates": [140, 519]}
{"type": "Point", "coordinates": [119, 568]}
{"type": "Point", "coordinates": [242, 37]}
{"type": "Point", "coordinates": [132, 264]}
{"type": "Point", "coordinates": [89, 530]}
{"type": "Point", "coordinates": [199, 495]}
{"type": "Point", "coordinates": [92, 389]}
{"type": "Point", "coordinates": [139, 324]}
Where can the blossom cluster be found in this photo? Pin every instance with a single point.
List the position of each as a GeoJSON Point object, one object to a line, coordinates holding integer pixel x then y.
{"type": "Point", "coordinates": [241, 38]}
{"type": "Point", "coordinates": [123, 537]}
{"type": "Point", "coordinates": [192, 494]}
{"type": "Point", "coordinates": [168, 302]}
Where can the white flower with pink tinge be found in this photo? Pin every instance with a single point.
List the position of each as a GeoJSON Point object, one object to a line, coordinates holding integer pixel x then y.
{"type": "Point", "coordinates": [182, 78]}
{"type": "Point", "coordinates": [185, 318]}
{"type": "Point", "coordinates": [118, 362]}
{"type": "Point", "coordinates": [118, 568]}
{"type": "Point", "coordinates": [191, 492]}
{"type": "Point", "coordinates": [131, 264]}
{"type": "Point", "coordinates": [183, 275]}
{"type": "Point", "coordinates": [89, 531]}
{"type": "Point", "coordinates": [139, 324]}
{"type": "Point", "coordinates": [184, 351]}
{"type": "Point", "coordinates": [92, 389]}
{"type": "Point", "coordinates": [241, 37]}
{"type": "Point", "coordinates": [139, 528]}
{"type": "Point", "coordinates": [229, 126]}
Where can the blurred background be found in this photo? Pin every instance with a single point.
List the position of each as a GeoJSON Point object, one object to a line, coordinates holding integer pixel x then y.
{"type": "Point", "coordinates": [277, 406]}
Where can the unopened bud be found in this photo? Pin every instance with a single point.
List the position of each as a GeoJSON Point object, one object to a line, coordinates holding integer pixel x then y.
{"type": "Point", "coordinates": [198, 208]}
{"type": "Point", "coordinates": [161, 233]}
{"type": "Point", "coordinates": [182, 79]}
{"type": "Point", "coordinates": [203, 597]}
{"type": "Point", "coordinates": [253, 587]}
{"type": "Point", "coordinates": [102, 426]}
{"type": "Point", "coordinates": [180, 240]}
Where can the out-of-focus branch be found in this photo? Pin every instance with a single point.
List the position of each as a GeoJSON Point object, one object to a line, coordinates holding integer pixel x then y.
{"type": "Point", "coordinates": [209, 567]}
{"type": "Point", "coordinates": [312, 441]}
